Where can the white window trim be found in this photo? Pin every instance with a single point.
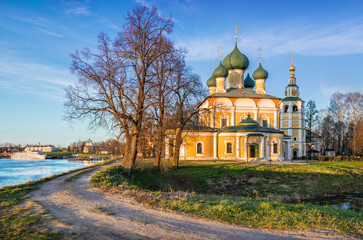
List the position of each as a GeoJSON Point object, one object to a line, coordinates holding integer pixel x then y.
{"type": "Point", "coordinates": [224, 116]}
{"type": "Point", "coordinates": [196, 149]}
{"type": "Point", "coordinates": [229, 140]}
{"type": "Point", "coordinates": [278, 147]}
{"type": "Point", "coordinates": [265, 117]}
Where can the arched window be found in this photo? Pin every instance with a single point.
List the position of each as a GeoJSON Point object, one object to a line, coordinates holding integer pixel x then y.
{"type": "Point", "coordinates": [224, 121]}
{"type": "Point", "coordinates": [286, 108]}
{"type": "Point", "coordinates": [265, 121]}
{"type": "Point", "coordinates": [276, 148]}
{"type": "Point", "coordinates": [199, 148]}
{"type": "Point", "coordinates": [294, 108]}
{"type": "Point", "coordinates": [229, 148]}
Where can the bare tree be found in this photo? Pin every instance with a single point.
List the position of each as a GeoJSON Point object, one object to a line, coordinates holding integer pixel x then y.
{"type": "Point", "coordinates": [165, 71]}
{"type": "Point", "coordinates": [355, 109]}
{"type": "Point", "coordinates": [188, 92]}
{"type": "Point", "coordinates": [312, 119]}
{"type": "Point", "coordinates": [114, 83]}
{"type": "Point", "coordinates": [338, 110]}
{"type": "Point", "coordinates": [141, 42]}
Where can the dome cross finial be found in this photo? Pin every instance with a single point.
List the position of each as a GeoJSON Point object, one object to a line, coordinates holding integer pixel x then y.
{"type": "Point", "coordinates": [235, 32]}
{"type": "Point", "coordinates": [213, 63]}
{"type": "Point", "coordinates": [259, 53]}
{"type": "Point", "coordinates": [292, 68]}
{"type": "Point", "coordinates": [220, 53]}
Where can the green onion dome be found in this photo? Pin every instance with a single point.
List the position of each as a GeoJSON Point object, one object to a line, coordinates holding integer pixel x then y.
{"type": "Point", "coordinates": [236, 60]}
{"type": "Point", "coordinates": [220, 71]}
{"type": "Point", "coordinates": [260, 73]}
{"type": "Point", "coordinates": [248, 122]}
{"type": "Point", "coordinates": [248, 82]}
{"type": "Point", "coordinates": [211, 82]}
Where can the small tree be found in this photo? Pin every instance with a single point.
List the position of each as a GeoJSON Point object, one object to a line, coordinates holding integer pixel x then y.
{"type": "Point", "coordinates": [188, 92]}
{"type": "Point", "coordinates": [312, 118]}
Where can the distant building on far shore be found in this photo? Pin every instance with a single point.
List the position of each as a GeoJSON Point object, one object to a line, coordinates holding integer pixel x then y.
{"type": "Point", "coordinates": [88, 148]}
{"type": "Point", "coordinates": [43, 148]}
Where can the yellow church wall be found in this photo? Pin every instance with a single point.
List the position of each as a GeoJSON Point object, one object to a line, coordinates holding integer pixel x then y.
{"type": "Point", "coordinates": [222, 140]}
{"type": "Point", "coordinates": [271, 117]}
{"type": "Point", "coordinates": [242, 147]}
{"type": "Point", "coordinates": [218, 116]}
{"type": "Point", "coordinates": [295, 132]}
{"type": "Point", "coordinates": [285, 117]}
{"type": "Point", "coordinates": [191, 146]}
{"type": "Point", "coordinates": [295, 117]}
{"type": "Point", "coordinates": [280, 140]}
{"type": "Point", "coordinates": [295, 124]}
{"type": "Point", "coordinates": [285, 124]}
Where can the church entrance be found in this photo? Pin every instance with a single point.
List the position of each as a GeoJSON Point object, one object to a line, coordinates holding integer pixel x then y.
{"type": "Point", "coordinates": [254, 153]}
{"type": "Point", "coordinates": [295, 154]}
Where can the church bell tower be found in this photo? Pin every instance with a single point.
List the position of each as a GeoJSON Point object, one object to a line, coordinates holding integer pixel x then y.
{"type": "Point", "coordinates": [292, 117]}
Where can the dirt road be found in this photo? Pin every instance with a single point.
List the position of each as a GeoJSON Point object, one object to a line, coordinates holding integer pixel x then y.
{"type": "Point", "coordinates": [86, 213]}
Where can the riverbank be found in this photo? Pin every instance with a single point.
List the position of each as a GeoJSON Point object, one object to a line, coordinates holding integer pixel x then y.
{"type": "Point", "coordinates": [252, 195]}
{"type": "Point", "coordinates": [24, 221]}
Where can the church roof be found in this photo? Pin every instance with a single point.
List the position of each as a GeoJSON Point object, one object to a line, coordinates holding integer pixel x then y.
{"type": "Point", "coordinates": [291, 99]}
{"type": "Point", "coordinates": [250, 125]}
{"type": "Point", "coordinates": [242, 93]}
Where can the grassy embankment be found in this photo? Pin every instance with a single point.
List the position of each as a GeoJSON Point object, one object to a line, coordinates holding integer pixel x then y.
{"type": "Point", "coordinates": [60, 155]}
{"type": "Point", "coordinates": [24, 221]}
{"type": "Point", "coordinates": [249, 194]}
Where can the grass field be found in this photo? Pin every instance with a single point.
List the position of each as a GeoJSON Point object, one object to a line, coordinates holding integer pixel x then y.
{"type": "Point", "coordinates": [248, 194]}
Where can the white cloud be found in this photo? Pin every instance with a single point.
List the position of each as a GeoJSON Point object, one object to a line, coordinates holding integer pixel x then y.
{"type": "Point", "coordinates": [79, 11]}
{"type": "Point", "coordinates": [344, 38]}
{"type": "Point", "coordinates": [54, 34]}
{"type": "Point", "coordinates": [41, 79]}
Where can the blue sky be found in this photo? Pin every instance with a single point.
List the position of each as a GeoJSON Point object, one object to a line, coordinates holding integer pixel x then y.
{"type": "Point", "coordinates": [36, 38]}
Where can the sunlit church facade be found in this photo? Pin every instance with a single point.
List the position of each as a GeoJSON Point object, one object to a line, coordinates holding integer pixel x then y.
{"type": "Point", "coordinates": [240, 120]}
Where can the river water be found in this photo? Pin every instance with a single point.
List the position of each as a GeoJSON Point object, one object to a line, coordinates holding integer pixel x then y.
{"type": "Point", "coordinates": [20, 171]}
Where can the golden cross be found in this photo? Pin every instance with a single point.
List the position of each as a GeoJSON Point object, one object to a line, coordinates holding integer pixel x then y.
{"type": "Point", "coordinates": [259, 53]}
{"type": "Point", "coordinates": [213, 63]}
{"type": "Point", "coordinates": [292, 58]}
{"type": "Point", "coordinates": [220, 53]}
{"type": "Point", "coordinates": [235, 28]}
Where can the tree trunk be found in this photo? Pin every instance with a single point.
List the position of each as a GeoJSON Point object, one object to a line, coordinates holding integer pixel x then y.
{"type": "Point", "coordinates": [129, 162]}
{"type": "Point", "coordinates": [159, 149]}
{"type": "Point", "coordinates": [178, 142]}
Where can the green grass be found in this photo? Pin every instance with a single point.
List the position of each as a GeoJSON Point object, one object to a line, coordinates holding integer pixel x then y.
{"type": "Point", "coordinates": [247, 194]}
{"type": "Point", "coordinates": [241, 179]}
{"type": "Point", "coordinates": [18, 222]}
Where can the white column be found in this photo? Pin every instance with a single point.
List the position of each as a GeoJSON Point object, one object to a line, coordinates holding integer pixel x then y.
{"type": "Point", "coordinates": [233, 115]}
{"type": "Point", "coordinates": [256, 115]}
{"type": "Point", "coordinates": [268, 148]}
{"type": "Point", "coordinates": [167, 148]}
{"type": "Point", "coordinates": [263, 147]}
{"type": "Point", "coordinates": [215, 145]}
{"type": "Point", "coordinates": [237, 147]}
{"type": "Point", "coordinates": [290, 115]}
{"type": "Point", "coordinates": [246, 147]}
{"type": "Point", "coordinates": [276, 119]}
{"type": "Point", "coordinates": [300, 142]}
